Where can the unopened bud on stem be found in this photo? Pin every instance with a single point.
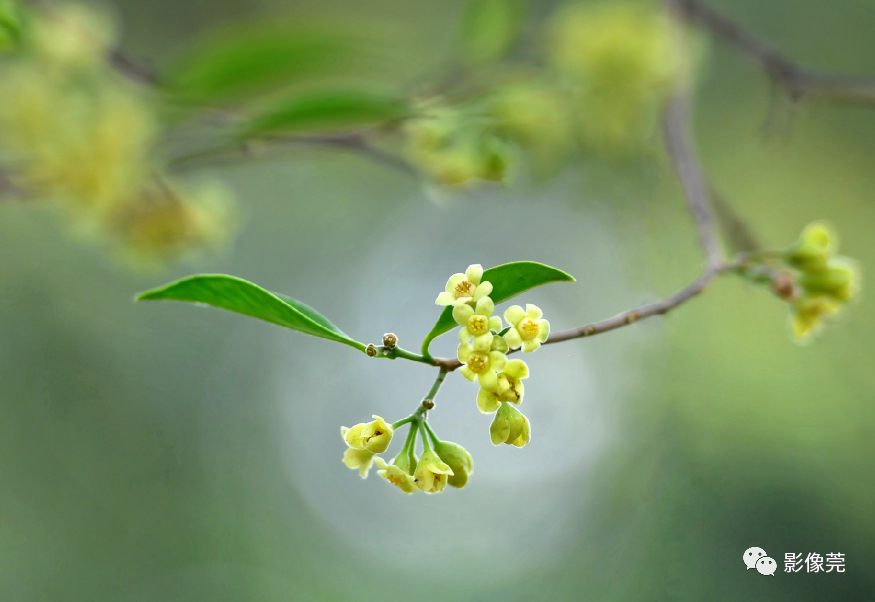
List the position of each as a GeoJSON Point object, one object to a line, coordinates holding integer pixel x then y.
{"type": "Point", "coordinates": [390, 340]}
{"type": "Point", "coordinates": [371, 351]}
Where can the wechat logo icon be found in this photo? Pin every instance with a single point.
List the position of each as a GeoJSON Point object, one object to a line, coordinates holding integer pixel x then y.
{"type": "Point", "coordinates": [756, 558]}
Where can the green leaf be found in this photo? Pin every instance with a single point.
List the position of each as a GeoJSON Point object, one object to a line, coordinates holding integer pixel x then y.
{"type": "Point", "coordinates": [508, 280]}
{"type": "Point", "coordinates": [326, 110]}
{"type": "Point", "coordinates": [489, 29]}
{"type": "Point", "coordinates": [234, 294]}
{"type": "Point", "coordinates": [255, 58]}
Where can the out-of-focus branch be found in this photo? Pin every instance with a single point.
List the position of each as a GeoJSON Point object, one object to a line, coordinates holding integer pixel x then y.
{"type": "Point", "coordinates": [679, 144]}
{"type": "Point", "coordinates": [794, 79]}
{"type": "Point", "coordinates": [243, 151]}
{"type": "Point", "coordinates": [736, 231]}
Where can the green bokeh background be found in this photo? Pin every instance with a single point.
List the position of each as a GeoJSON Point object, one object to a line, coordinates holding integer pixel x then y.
{"type": "Point", "coordinates": [160, 452]}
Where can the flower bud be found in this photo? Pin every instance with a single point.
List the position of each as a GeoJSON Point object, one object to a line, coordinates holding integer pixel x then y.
{"type": "Point", "coordinates": [813, 249]}
{"type": "Point", "coordinates": [840, 280]}
{"type": "Point", "coordinates": [458, 459]}
{"type": "Point", "coordinates": [377, 435]}
{"type": "Point", "coordinates": [510, 426]}
{"type": "Point", "coordinates": [431, 473]}
{"type": "Point", "coordinates": [371, 351]}
{"type": "Point", "coordinates": [390, 340]}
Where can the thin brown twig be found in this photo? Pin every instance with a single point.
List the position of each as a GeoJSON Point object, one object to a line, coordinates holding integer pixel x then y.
{"type": "Point", "coordinates": [794, 79]}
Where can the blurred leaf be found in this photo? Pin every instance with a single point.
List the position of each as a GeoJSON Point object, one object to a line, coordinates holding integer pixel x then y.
{"type": "Point", "coordinates": [10, 25]}
{"type": "Point", "coordinates": [234, 294]}
{"type": "Point", "coordinates": [255, 59]}
{"type": "Point", "coordinates": [508, 280]}
{"type": "Point", "coordinates": [327, 110]}
{"type": "Point", "coordinates": [489, 29]}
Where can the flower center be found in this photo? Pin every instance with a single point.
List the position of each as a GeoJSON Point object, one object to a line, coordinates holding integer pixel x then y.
{"type": "Point", "coordinates": [395, 480]}
{"type": "Point", "coordinates": [528, 329]}
{"type": "Point", "coordinates": [478, 363]}
{"type": "Point", "coordinates": [511, 393]}
{"type": "Point", "coordinates": [464, 289]}
{"type": "Point", "coordinates": [477, 325]}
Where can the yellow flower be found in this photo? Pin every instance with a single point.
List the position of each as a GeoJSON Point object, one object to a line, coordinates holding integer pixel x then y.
{"type": "Point", "coordinates": [510, 387]}
{"type": "Point", "coordinates": [377, 435]}
{"type": "Point", "coordinates": [809, 314]}
{"type": "Point", "coordinates": [398, 473]}
{"type": "Point", "coordinates": [431, 473]}
{"type": "Point", "coordinates": [481, 366]}
{"type": "Point", "coordinates": [510, 426]}
{"type": "Point", "coordinates": [465, 288]}
{"type": "Point", "coordinates": [811, 252]}
{"type": "Point", "coordinates": [353, 435]}
{"type": "Point", "coordinates": [477, 322]}
{"type": "Point", "coordinates": [527, 328]}
{"type": "Point", "coordinates": [840, 280]}
{"type": "Point", "coordinates": [458, 459]}
{"type": "Point", "coordinates": [72, 36]}
{"type": "Point", "coordinates": [360, 459]}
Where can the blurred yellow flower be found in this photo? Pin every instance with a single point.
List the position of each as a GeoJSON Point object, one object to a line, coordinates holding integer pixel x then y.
{"type": "Point", "coordinates": [431, 473]}
{"type": "Point", "coordinates": [398, 473]}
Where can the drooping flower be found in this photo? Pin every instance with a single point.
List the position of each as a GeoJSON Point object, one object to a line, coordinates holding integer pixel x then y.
{"type": "Point", "coordinates": [431, 473]}
{"type": "Point", "coordinates": [377, 435]}
{"type": "Point", "coordinates": [477, 322]}
{"type": "Point", "coordinates": [353, 435]}
{"type": "Point", "coordinates": [527, 330]}
{"type": "Point", "coordinates": [465, 288]}
{"type": "Point", "coordinates": [809, 314]}
{"type": "Point", "coordinates": [510, 426]}
{"type": "Point", "coordinates": [811, 252]}
{"type": "Point", "coordinates": [840, 280]}
{"type": "Point", "coordinates": [458, 459]}
{"type": "Point", "coordinates": [481, 366]}
{"type": "Point", "coordinates": [398, 472]}
{"type": "Point", "coordinates": [510, 387]}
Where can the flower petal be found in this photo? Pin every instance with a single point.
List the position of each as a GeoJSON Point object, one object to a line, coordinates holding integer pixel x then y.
{"type": "Point", "coordinates": [483, 342]}
{"type": "Point", "coordinates": [445, 298]}
{"type": "Point", "coordinates": [543, 330]}
{"type": "Point", "coordinates": [453, 282]}
{"type": "Point", "coordinates": [514, 314]}
{"type": "Point", "coordinates": [497, 360]}
{"type": "Point", "coordinates": [461, 301]}
{"type": "Point", "coordinates": [487, 403]}
{"type": "Point", "coordinates": [464, 352]}
{"type": "Point", "coordinates": [461, 314]}
{"type": "Point", "coordinates": [533, 311]}
{"type": "Point", "coordinates": [485, 307]}
{"type": "Point", "coordinates": [495, 323]}
{"type": "Point", "coordinates": [465, 335]}
{"type": "Point", "coordinates": [517, 369]}
{"type": "Point", "coordinates": [468, 373]}
{"type": "Point", "coordinates": [474, 274]}
{"type": "Point", "coordinates": [483, 289]}
{"type": "Point", "coordinates": [530, 346]}
{"type": "Point", "coordinates": [488, 380]}
{"type": "Point", "coordinates": [513, 338]}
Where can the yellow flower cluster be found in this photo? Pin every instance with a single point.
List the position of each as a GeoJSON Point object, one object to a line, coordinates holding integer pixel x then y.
{"type": "Point", "coordinates": [74, 132]}
{"type": "Point", "coordinates": [826, 282]}
{"type": "Point", "coordinates": [444, 463]}
{"type": "Point", "coordinates": [483, 350]}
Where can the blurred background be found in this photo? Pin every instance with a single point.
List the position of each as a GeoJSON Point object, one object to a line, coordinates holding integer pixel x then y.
{"type": "Point", "coordinates": [164, 452]}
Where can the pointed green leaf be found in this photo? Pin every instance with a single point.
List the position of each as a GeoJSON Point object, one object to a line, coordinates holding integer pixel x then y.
{"type": "Point", "coordinates": [234, 294]}
{"type": "Point", "coordinates": [260, 57]}
{"type": "Point", "coordinates": [489, 29]}
{"type": "Point", "coordinates": [326, 110]}
{"type": "Point", "coordinates": [508, 280]}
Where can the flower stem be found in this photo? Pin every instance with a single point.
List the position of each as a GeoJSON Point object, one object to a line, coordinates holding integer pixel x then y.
{"type": "Point", "coordinates": [411, 451]}
{"type": "Point", "coordinates": [425, 445]}
{"type": "Point", "coordinates": [410, 441]}
{"type": "Point", "coordinates": [410, 418]}
{"type": "Point", "coordinates": [442, 374]}
{"type": "Point", "coordinates": [408, 355]}
{"type": "Point", "coordinates": [431, 433]}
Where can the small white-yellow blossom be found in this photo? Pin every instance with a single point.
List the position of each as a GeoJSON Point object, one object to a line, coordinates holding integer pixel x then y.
{"type": "Point", "coordinates": [377, 435]}
{"type": "Point", "coordinates": [465, 288]}
{"type": "Point", "coordinates": [477, 322]}
{"type": "Point", "coordinates": [510, 426]}
{"type": "Point", "coordinates": [397, 473]}
{"type": "Point", "coordinates": [431, 473]}
{"type": "Point", "coordinates": [527, 330]}
{"type": "Point", "coordinates": [510, 387]}
{"type": "Point", "coordinates": [481, 366]}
